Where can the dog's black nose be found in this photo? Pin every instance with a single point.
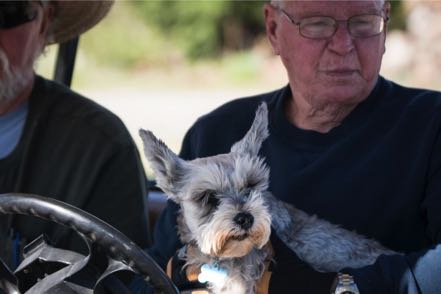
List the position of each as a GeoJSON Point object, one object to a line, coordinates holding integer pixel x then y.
{"type": "Point", "coordinates": [244, 220]}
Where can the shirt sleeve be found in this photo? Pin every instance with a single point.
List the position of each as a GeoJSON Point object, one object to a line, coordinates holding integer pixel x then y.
{"type": "Point", "coordinates": [414, 272]}
{"type": "Point", "coordinates": [119, 193]}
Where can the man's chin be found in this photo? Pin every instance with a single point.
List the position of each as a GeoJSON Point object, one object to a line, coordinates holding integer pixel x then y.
{"type": "Point", "coordinates": [12, 79]}
{"type": "Point", "coordinates": [346, 89]}
{"type": "Point", "coordinates": [342, 79]}
{"type": "Point", "coordinates": [11, 85]}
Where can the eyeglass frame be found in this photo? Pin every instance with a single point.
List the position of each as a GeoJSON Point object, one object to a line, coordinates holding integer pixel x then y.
{"type": "Point", "coordinates": [336, 21]}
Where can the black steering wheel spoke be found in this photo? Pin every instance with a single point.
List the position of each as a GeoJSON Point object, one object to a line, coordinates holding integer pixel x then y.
{"type": "Point", "coordinates": [46, 269]}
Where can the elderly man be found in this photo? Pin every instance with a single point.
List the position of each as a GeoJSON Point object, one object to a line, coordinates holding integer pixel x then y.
{"type": "Point", "coordinates": [54, 142]}
{"type": "Point", "coordinates": [345, 144]}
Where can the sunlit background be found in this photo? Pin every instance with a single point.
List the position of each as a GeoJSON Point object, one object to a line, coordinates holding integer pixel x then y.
{"type": "Point", "coordinates": [162, 64]}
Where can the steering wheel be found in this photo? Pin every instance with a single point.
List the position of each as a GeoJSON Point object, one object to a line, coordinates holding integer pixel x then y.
{"type": "Point", "coordinates": [116, 244]}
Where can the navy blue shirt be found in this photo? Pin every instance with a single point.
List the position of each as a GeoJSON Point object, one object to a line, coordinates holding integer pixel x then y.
{"type": "Point", "coordinates": [377, 173]}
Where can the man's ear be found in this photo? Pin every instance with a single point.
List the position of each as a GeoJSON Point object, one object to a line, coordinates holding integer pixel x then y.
{"type": "Point", "coordinates": [387, 9]}
{"type": "Point", "coordinates": [46, 20]}
{"type": "Point", "coordinates": [271, 23]}
{"type": "Point", "coordinates": [387, 13]}
{"type": "Point", "coordinates": [169, 169]}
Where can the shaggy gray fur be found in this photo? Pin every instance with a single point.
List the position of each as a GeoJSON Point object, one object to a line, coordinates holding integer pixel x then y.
{"type": "Point", "coordinates": [223, 215]}
{"type": "Point", "coordinates": [324, 246]}
{"type": "Point", "coordinates": [226, 214]}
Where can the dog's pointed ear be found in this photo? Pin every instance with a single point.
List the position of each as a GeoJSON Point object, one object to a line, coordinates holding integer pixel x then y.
{"type": "Point", "coordinates": [169, 169]}
{"type": "Point", "coordinates": [251, 143]}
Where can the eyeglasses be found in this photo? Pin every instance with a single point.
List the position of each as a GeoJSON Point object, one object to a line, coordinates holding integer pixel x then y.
{"type": "Point", "coordinates": [15, 13]}
{"type": "Point", "coordinates": [323, 27]}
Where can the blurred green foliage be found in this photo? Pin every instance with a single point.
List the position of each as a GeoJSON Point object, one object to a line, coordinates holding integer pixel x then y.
{"type": "Point", "coordinates": [398, 16]}
{"type": "Point", "coordinates": [141, 34]}
{"type": "Point", "coordinates": [206, 28]}
{"type": "Point", "coordinates": [123, 40]}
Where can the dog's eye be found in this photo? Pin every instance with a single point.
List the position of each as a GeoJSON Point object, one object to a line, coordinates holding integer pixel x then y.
{"type": "Point", "coordinates": [209, 198]}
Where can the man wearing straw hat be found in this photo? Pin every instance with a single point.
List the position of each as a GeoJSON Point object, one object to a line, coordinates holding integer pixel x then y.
{"type": "Point", "coordinates": [54, 142]}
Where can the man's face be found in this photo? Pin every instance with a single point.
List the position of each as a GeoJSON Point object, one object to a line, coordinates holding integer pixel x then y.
{"type": "Point", "coordinates": [339, 69]}
{"type": "Point", "coordinates": [19, 47]}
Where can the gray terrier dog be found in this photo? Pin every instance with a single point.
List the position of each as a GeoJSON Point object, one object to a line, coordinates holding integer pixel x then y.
{"type": "Point", "coordinates": [226, 214]}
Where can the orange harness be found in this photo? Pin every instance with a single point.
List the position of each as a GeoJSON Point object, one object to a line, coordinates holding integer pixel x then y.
{"type": "Point", "coordinates": [192, 274]}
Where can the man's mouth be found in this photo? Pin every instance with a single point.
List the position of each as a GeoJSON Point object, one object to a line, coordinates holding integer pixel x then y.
{"type": "Point", "coordinates": [340, 72]}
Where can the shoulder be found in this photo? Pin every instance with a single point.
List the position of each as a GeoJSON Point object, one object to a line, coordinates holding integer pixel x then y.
{"type": "Point", "coordinates": [415, 107]}
{"type": "Point", "coordinates": [236, 113]}
{"type": "Point", "coordinates": [409, 97]}
{"type": "Point", "coordinates": [63, 109]}
{"type": "Point", "coordinates": [216, 131]}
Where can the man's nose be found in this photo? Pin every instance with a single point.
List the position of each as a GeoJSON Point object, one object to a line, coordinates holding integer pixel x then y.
{"type": "Point", "coordinates": [341, 42]}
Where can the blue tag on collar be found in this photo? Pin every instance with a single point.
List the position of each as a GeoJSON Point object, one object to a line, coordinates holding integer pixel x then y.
{"type": "Point", "coordinates": [212, 274]}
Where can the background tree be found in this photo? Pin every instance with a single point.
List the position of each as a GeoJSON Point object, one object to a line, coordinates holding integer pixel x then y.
{"type": "Point", "coordinates": [206, 28]}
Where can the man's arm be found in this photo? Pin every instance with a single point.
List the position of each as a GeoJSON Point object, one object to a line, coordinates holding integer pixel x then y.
{"type": "Point", "coordinates": [119, 193]}
{"type": "Point", "coordinates": [415, 272]}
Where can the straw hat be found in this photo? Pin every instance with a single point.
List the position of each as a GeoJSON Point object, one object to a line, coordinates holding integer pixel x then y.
{"type": "Point", "coordinates": [74, 17]}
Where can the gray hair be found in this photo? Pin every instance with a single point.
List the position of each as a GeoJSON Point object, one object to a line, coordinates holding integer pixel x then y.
{"type": "Point", "coordinates": [279, 3]}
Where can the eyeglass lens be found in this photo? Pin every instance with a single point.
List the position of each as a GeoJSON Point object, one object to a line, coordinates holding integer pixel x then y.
{"type": "Point", "coordinates": [15, 13]}
{"type": "Point", "coordinates": [359, 26]}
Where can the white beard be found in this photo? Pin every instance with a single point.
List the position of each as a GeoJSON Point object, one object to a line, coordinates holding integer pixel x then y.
{"type": "Point", "coordinates": [12, 80]}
